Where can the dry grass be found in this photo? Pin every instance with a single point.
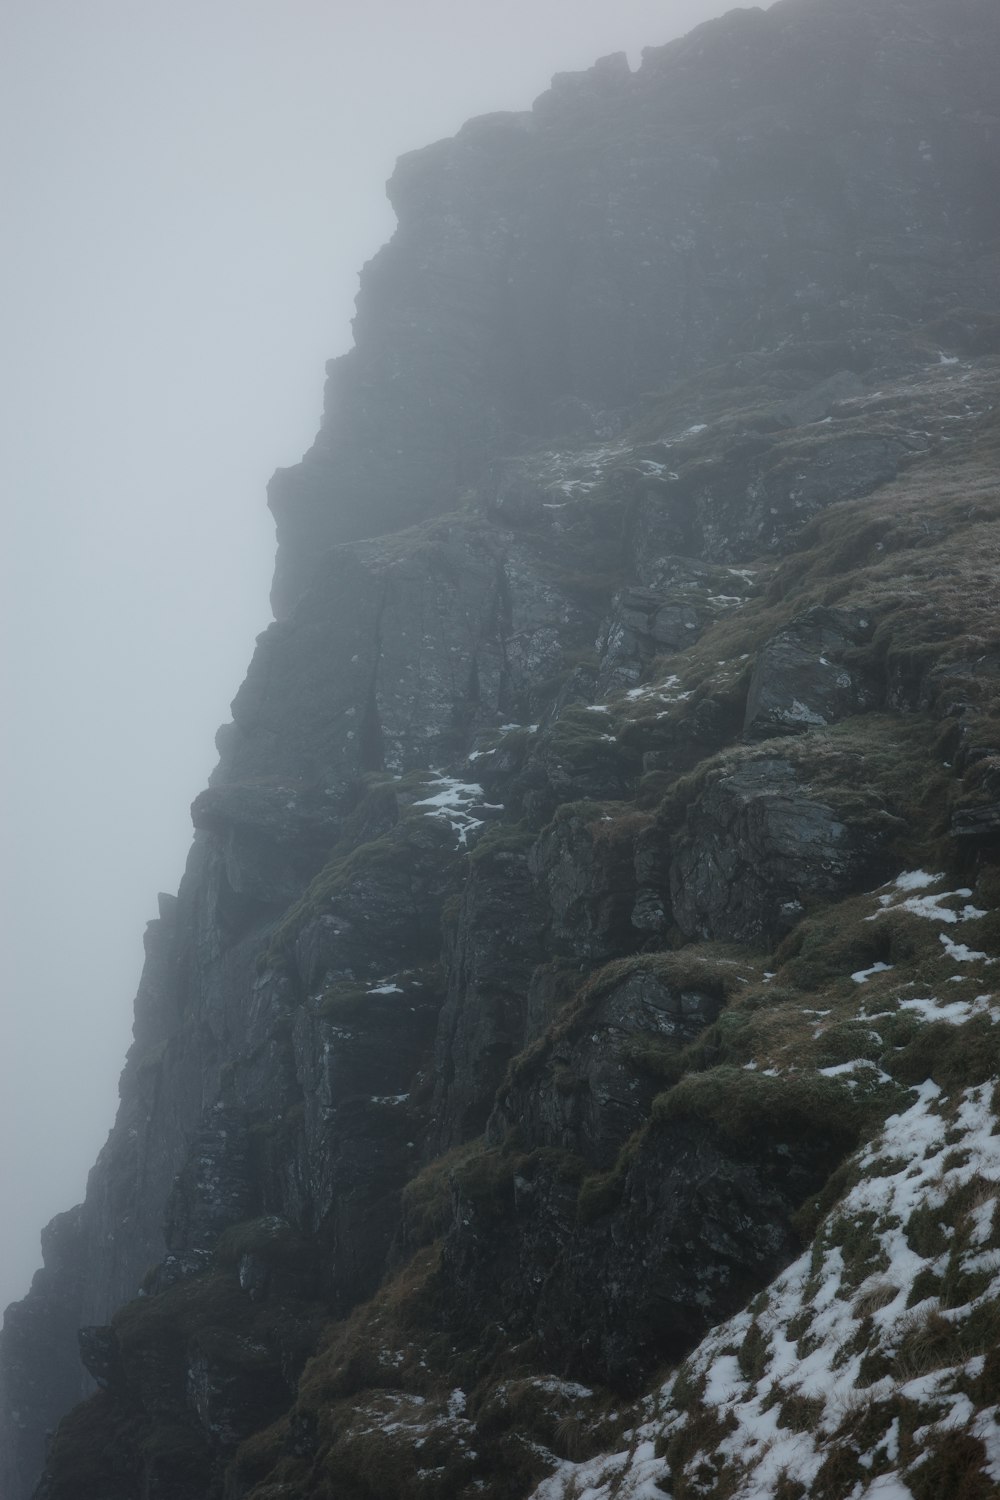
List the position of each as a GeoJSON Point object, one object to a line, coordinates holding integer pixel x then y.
{"type": "Point", "coordinates": [871, 1298]}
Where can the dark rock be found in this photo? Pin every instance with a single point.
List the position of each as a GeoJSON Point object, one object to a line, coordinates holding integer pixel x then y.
{"type": "Point", "coordinates": [627, 232]}
{"type": "Point", "coordinates": [101, 1356]}
{"type": "Point", "coordinates": [702, 1219]}
{"type": "Point", "coordinates": [977, 824]}
{"type": "Point", "coordinates": [801, 679]}
{"type": "Point", "coordinates": [216, 1187]}
{"type": "Point", "coordinates": [596, 1089]}
{"type": "Point", "coordinates": [624, 352]}
{"type": "Point", "coordinates": [499, 940]}
{"type": "Point", "coordinates": [585, 869]}
{"type": "Point", "coordinates": [38, 1383]}
{"type": "Point", "coordinates": [757, 845]}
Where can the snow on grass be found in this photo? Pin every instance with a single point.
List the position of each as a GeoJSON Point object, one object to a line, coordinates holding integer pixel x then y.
{"type": "Point", "coordinates": [863, 975]}
{"type": "Point", "coordinates": [960, 953]}
{"type": "Point", "coordinates": [931, 906]}
{"type": "Point", "coordinates": [857, 1064]}
{"type": "Point", "coordinates": [915, 880]}
{"type": "Point", "coordinates": [570, 1388]}
{"type": "Point", "coordinates": [454, 801]}
{"type": "Point", "coordinates": [846, 1358]}
{"type": "Point", "coordinates": [668, 685]}
{"type": "Point", "coordinates": [955, 1012]}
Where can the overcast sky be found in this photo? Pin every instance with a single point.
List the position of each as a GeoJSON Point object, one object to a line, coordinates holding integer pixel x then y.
{"type": "Point", "coordinates": [190, 188]}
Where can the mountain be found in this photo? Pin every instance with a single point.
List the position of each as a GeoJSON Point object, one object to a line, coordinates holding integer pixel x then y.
{"type": "Point", "coordinates": [568, 1066]}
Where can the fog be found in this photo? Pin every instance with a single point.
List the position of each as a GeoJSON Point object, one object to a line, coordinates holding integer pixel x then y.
{"type": "Point", "coordinates": [190, 191]}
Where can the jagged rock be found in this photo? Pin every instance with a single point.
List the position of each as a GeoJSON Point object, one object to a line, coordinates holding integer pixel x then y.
{"type": "Point", "coordinates": [758, 844]}
{"type": "Point", "coordinates": [800, 678]}
{"type": "Point", "coordinates": [584, 865]}
{"type": "Point", "coordinates": [596, 1089]}
{"type": "Point", "coordinates": [37, 1382]}
{"type": "Point", "coordinates": [216, 1187]}
{"type": "Point", "coordinates": [360, 1125]}
{"type": "Point", "coordinates": [499, 940]}
{"type": "Point", "coordinates": [101, 1357]}
{"type": "Point", "coordinates": [977, 824]}
{"type": "Point", "coordinates": [550, 262]}
{"type": "Point", "coordinates": [610, 1299]}
{"type": "Point", "coordinates": [625, 354]}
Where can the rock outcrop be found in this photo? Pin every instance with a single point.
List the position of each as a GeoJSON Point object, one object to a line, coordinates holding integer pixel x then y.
{"type": "Point", "coordinates": [636, 618]}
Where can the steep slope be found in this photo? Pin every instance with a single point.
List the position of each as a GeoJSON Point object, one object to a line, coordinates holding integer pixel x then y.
{"type": "Point", "coordinates": [521, 1009]}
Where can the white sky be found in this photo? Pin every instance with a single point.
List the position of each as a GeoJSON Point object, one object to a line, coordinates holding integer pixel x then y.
{"type": "Point", "coordinates": [190, 189]}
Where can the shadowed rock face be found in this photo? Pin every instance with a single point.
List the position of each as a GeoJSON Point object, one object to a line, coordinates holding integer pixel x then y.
{"type": "Point", "coordinates": [803, 676]}
{"type": "Point", "coordinates": [757, 847]}
{"type": "Point", "coordinates": [635, 605]}
{"type": "Point", "coordinates": [813, 171]}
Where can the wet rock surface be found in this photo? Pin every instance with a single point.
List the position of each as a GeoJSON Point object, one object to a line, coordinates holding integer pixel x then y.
{"type": "Point", "coordinates": [759, 845]}
{"type": "Point", "coordinates": [702, 1222]}
{"type": "Point", "coordinates": [803, 676]}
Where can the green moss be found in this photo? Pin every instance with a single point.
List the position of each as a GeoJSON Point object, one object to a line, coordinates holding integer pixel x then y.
{"type": "Point", "coordinates": [953, 1056]}
{"type": "Point", "coordinates": [847, 1041]}
{"type": "Point", "coordinates": [599, 1194]}
{"type": "Point", "coordinates": [730, 1039]}
{"type": "Point", "coordinates": [657, 1057]}
{"type": "Point", "coordinates": [584, 745]}
{"type": "Point", "coordinates": [708, 969]}
{"type": "Point", "coordinates": [342, 1002]}
{"type": "Point", "coordinates": [427, 1198]}
{"type": "Point", "coordinates": [410, 854]}
{"type": "Point", "coordinates": [271, 1238]}
{"type": "Point", "coordinates": [741, 1103]}
{"type": "Point", "coordinates": [257, 1456]}
{"type": "Point", "coordinates": [501, 841]}
{"type": "Point", "coordinates": [485, 1176]}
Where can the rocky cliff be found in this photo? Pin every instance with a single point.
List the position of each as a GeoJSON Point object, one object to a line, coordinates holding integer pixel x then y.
{"type": "Point", "coordinates": [588, 935]}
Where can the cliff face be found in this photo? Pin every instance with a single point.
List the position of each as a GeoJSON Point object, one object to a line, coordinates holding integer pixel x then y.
{"type": "Point", "coordinates": [521, 1002]}
{"type": "Point", "coordinates": [770, 177]}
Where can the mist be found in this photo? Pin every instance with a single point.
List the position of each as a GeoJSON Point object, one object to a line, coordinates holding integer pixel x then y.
{"type": "Point", "coordinates": [191, 191]}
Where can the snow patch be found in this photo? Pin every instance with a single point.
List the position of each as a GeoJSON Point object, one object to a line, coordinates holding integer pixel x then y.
{"type": "Point", "coordinates": [863, 975]}
{"type": "Point", "coordinates": [454, 801]}
{"type": "Point", "coordinates": [806, 1327]}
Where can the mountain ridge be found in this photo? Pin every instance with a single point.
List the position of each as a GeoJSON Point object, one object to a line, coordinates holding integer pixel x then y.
{"type": "Point", "coordinates": [509, 1013]}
